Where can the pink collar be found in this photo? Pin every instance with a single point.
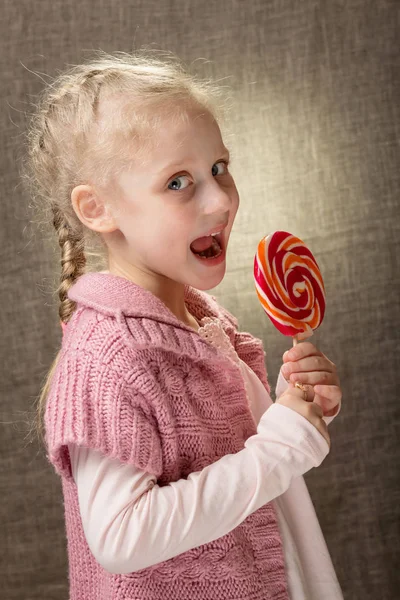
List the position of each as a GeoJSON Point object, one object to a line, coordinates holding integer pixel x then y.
{"type": "Point", "coordinates": [113, 295]}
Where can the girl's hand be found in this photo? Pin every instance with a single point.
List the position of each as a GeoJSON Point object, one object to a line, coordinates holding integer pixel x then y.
{"type": "Point", "coordinates": [293, 398]}
{"type": "Point", "coordinates": [307, 365]}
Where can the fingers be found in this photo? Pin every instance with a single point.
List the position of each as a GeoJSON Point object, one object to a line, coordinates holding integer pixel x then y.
{"type": "Point", "coordinates": [293, 391]}
{"type": "Point", "coordinates": [315, 378]}
{"type": "Point", "coordinates": [305, 388]}
{"type": "Point", "coordinates": [330, 392]}
{"type": "Point", "coordinates": [313, 412]}
{"type": "Point", "coordinates": [329, 397]}
{"type": "Point", "coordinates": [310, 363]}
{"type": "Point", "coordinates": [309, 391]}
{"type": "Point", "coordinates": [301, 351]}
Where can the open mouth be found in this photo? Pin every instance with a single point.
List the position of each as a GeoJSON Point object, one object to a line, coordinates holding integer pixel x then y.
{"type": "Point", "coordinates": [210, 246]}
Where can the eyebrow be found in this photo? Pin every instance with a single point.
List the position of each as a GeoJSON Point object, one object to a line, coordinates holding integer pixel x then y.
{"type": "Point", "coordinates": [177, 166]}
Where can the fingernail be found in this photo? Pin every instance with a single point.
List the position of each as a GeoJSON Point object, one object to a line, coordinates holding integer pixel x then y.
{"type": "Point", "coordinates": [285, 370]}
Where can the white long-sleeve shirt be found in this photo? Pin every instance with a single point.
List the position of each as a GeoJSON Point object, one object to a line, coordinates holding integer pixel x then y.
{"type": "Point", "coordinates": [131, 523]}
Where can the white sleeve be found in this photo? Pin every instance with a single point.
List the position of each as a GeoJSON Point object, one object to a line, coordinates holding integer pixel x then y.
{"type": "Point", "coordinates": [131, 523]}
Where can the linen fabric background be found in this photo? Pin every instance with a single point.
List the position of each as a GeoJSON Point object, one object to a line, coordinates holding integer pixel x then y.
{"type": "Point", "coordinates": [314, 135]}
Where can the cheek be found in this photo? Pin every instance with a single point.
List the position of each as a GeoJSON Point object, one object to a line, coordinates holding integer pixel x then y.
{"type": "Point", "coordinates": [235, 201]}
{"type": "Point", "coordinates": [156, 225]}
{"type": "Point", "coordinates": [155, 233]}
{"type": "Point", "coordinates": [125, 213]}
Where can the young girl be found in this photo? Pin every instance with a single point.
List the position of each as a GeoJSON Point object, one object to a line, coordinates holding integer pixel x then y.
{"type": "Point", "coordinates": [181, 478]}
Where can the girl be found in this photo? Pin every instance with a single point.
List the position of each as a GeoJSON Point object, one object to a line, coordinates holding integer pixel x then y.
{"type": "Point", "coordinates": [181, 479]}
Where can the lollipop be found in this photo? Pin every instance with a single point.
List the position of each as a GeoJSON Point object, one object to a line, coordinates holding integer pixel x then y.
{"type": "Point", "coordinates": [289, 285]}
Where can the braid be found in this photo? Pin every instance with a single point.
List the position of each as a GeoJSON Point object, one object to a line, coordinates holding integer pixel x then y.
{"type": "Point", "coordinates": [73, 261]}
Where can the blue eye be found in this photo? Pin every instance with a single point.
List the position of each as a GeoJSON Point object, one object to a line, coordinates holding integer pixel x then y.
{"type": "Point", "coordinates": [219, 171]}
{"type": "Point", "coordinates": [175, 184]}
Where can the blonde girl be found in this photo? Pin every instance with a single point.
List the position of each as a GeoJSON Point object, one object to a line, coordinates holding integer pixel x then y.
{"type": "Point", "coordinates": [181, 478]}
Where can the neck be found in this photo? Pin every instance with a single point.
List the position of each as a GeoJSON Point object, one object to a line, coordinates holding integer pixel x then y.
{"type": "Point", "coordinates": [171, 293]}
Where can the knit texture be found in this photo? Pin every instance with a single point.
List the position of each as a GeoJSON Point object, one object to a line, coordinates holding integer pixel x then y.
{"type": "Point", "coordinates": [139, 385]}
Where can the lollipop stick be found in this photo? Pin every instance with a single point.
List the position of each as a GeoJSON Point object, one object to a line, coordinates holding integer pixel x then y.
{"type": "Point", "coordinates": [295, 340]}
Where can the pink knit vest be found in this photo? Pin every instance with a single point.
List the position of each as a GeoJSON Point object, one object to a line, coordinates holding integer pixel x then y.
{"type": "Point", "coordinates": [137, 384]}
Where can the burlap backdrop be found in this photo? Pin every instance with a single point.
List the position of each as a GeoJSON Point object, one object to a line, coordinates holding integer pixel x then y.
{"type": "Point", "coordinates": [315, 152]}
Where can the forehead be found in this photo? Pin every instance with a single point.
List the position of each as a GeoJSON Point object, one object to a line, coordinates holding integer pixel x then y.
{"type": "Point", "coordinates": [160, 133]}
{"type": "Point", "coordinates": [184, 134]}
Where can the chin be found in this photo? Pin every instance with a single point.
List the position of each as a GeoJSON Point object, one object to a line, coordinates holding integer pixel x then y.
{"type": "Point", "coordinates": [208, 283]}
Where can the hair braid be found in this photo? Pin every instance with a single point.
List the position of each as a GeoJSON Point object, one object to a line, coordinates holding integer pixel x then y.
{"type": "Point", "coordinates": [90, 123]}
{"type": "Point", "coordinates": [73, 261]}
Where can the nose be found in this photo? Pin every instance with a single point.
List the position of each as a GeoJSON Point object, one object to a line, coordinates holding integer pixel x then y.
{"type": "Point", "coordinates": [216, 199]}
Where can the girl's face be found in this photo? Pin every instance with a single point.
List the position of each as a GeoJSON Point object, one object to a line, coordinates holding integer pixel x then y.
{"type": "Point", "coordinates": [181, 192]}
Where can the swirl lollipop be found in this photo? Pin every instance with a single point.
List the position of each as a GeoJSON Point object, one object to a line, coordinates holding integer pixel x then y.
{"type": "Point", "coordinates": [289, 285]}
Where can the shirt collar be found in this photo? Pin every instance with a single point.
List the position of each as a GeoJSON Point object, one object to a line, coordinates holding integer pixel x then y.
{"type": "Point", "coordinates": [113, 295]}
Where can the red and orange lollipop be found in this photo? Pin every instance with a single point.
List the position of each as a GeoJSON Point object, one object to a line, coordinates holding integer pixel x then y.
{"type": "Point", "coordinates": [289, 285]}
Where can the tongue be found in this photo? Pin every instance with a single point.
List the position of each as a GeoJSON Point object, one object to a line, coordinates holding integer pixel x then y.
{"type": "Point", "coordinates": [202, 243]}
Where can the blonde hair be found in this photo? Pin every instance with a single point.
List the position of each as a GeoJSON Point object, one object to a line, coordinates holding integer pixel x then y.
{"type": "Point", "coordinates": [67, 126]}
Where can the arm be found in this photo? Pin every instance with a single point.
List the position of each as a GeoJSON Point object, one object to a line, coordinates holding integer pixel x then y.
{"type": "Point", "coordinates": [132, 523]}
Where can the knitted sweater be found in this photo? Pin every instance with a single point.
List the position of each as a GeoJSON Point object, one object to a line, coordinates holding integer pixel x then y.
{"type": "Point", "coordinates": [139, 385]}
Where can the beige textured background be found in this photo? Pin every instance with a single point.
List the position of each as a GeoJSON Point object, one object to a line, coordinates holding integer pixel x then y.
{"type": "Point", "coordinates": [315, 145]}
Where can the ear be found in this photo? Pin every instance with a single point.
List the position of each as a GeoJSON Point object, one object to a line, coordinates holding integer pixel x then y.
{"type": "Point", "coordinates": [91, 209]}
